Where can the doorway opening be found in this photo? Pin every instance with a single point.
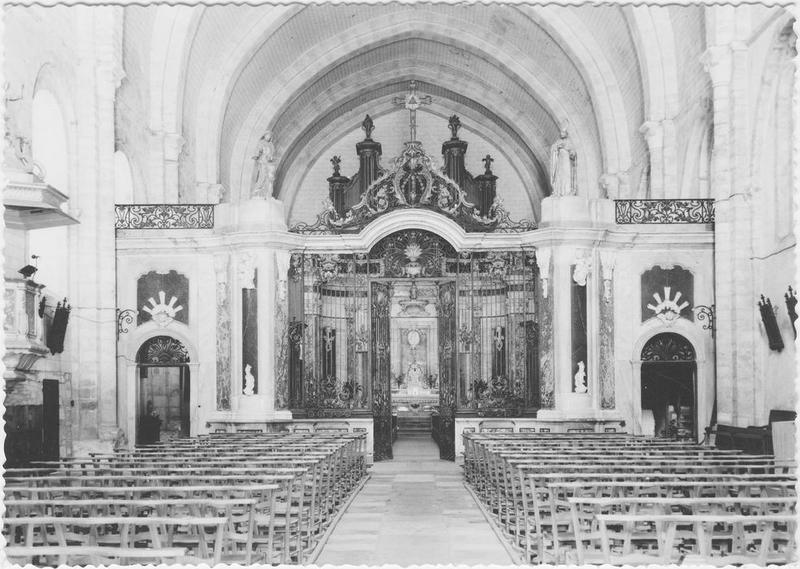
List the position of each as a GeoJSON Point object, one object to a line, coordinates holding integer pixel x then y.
{"type": "Point", "coordinates": [162, 408]}
{"type": "Point", "coordinates": [669, 387]}
{"type": "Point", "coordinates": [50, 420]}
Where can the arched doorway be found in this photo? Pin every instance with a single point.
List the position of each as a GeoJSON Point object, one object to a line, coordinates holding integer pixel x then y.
{"type": "Point", "coordinates": [162, 408]}
{"type": "Point", "coordinates": [669, 387]}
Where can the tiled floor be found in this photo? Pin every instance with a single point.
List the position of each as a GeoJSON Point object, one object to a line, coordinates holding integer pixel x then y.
{"type": "Point", "coordinates": [414, 510]}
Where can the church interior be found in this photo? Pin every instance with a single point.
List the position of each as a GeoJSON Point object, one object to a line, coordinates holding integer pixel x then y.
{"type": "Point", "coordinates": [302, 283]}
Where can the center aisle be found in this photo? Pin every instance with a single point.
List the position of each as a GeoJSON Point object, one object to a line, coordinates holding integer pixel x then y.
{"type": "Point", "coordinates": [414, 510]}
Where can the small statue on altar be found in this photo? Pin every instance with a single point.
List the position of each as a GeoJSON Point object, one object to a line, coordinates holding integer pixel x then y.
{"type": "Point", "coordinates": [264, 170]}
{"type": "Point", "coordinates": [563, 163]}
{"type": "Point", "coordinates": [414, 376]}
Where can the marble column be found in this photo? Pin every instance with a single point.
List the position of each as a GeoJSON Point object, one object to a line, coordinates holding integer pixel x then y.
{"type": "Point", "coordinates": [546, 346]}
{"type": "Point", "coordinates": [606, 324]}
{"type": "Point", "coordinates": [281, 331]}
{"type": "Point", "coordinates": [221, 263]}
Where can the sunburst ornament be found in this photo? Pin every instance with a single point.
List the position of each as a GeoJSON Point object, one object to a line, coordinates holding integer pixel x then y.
{"type": "Point", "coordinates": [161, 312]}
{"type": "Point", "coordinates": [667, 309]}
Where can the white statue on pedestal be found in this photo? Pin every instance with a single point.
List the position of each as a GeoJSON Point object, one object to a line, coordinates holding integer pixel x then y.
{"type": "Point", "coordinates": [580, 379]}
{"type": "Point", "coordinates": [563, 162]}
{"type": "Point", "coordinates": [249, 380]}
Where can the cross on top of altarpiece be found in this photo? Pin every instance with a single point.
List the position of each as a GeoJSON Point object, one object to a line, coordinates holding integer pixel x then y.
{"type": "Point", "coordinates": [412, 101]}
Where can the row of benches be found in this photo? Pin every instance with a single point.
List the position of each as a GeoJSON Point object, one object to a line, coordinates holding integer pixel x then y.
{"type": "Point", "coordinates": [614, 498]}
{"type": "Point", "coordinates": [243, 498]}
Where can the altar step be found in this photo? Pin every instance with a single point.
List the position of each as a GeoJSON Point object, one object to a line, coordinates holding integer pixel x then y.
{"type": "Point", "coordinates": [409, 427]}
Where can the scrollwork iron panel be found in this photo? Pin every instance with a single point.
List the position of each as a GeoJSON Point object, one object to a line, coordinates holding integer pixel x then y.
{"type": "Point", "coordinates": [164, 216]}
{"type": "Point", "coordinates": [668, 347]}
{"type": "Point", "coordinates": [664, 211]}
{"type": "Point", "coordinates": [162, 350]}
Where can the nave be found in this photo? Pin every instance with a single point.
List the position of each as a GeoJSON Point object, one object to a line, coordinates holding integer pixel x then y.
{"type": "Point", "coordinates": [414, 510]}
{"type": "Point", "coordinates": [299, 498]}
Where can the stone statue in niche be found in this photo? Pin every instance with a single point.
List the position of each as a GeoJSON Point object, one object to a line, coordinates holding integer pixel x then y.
{"type": "Point", "coordinates": [249, 380]}
{"type": "Point", "coordinates": [580, 379]}
{"type": "Point", "coordinates": [563, 162]}
{"type": "Point", "coordinates": [264, 170]}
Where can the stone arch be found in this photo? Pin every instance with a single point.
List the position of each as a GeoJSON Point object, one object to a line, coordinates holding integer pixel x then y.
{"type": "Point", "coordinates": [705, 390]}
{"type": "Point", "coordinates": [163, 389]}
{"type": "Point", "coordinates": [697, 160]}
{"type": "Point", "coordinates": [209, 117]}
{"type": "Point", "coordinates": [328, 54]}
{"type": "Point", "coordinates": [170, 44]}
{"type": "Point", "coordinates": [772, 137]}
{"type": "Point", "coordinates": [218, 83]}
{"type": "Point", "coordinates": [651, 31]}
{"type": "Point", "coordinates": [50, 80]}
{"type": "Point", "coordinates": [123, 179]}
{"type": "Point", "coordinates": [533, 175]}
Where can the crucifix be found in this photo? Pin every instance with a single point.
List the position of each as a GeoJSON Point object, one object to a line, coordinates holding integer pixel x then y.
{"type": "Point", "coordinates": [412, 102]}
{"type": "Point", "coordinates": [487, 162]}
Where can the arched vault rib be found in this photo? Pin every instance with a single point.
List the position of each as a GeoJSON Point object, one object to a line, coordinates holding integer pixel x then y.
{"type": "Point", "coordinates": [309, 153]}
{"type": "Point", "coordinates": [526, 150]}
{"type": "Point", "coordinates": [273, 100]}
{"type": "Point", "coordinates": [219, 81]}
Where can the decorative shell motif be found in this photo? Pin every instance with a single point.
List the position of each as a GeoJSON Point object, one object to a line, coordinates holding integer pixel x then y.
{"type": "Point", "coordinates": [667, 309]}
{"type": "Point", "coordinates": [161, 312]}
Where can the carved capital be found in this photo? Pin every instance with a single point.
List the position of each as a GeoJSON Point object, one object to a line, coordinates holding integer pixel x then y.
{"type": "Point", "coordinates": [221, 267]}
{"type": "Point", "coordinates": [583, 268]}
{"type": "Point", "coordinates": [246, 270]}
{"type": "Point", "coordinates": [653, 132]}
{"type": "Point", "coordinates": [282, 260]}
{"type": "Point", "coordinates": [608, 259]}
{"type": "Point", "coordinates": [173, 146]}
{"type": "Point", "coordinates": [610, 185]}
{"type": "Point", "coordinates": [543, 256]}
{"type": "Point", "coordinates": [716, 61]}
{"type": "Point", "coordinates": [209, 193]}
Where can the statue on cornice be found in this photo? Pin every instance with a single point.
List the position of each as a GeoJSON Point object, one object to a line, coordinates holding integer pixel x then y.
{"type": "Point", "coordinates": [563, 163]}
{"type": "Point", "coordinates": [454, 123]}
{"type": "Point", "coordinates": [264, 169]}
{"type": "Point", "coordinates": [368, 127]}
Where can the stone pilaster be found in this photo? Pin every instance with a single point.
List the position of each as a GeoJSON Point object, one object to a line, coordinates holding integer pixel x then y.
{"type": "Point", "coordinates": [94, 320]}
{"type": "Point", "coordinates": [727, 64]}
